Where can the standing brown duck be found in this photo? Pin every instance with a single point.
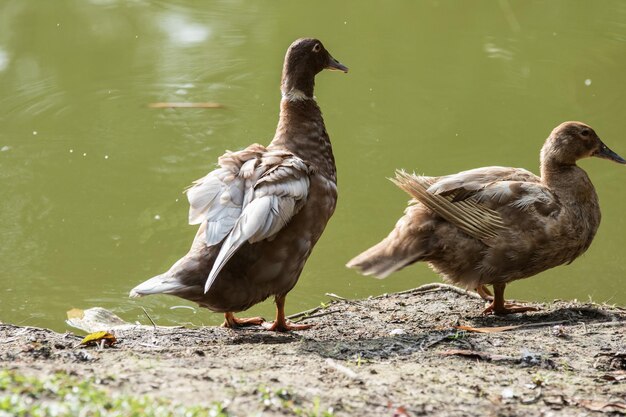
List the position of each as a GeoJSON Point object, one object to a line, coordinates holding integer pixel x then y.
{"type": "Point", "coordinates": [494, 225]}
{"type": "Point", "coordinates": [262, 211]}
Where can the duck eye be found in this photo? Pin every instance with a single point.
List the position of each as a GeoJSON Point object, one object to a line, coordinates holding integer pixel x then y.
{"type": "Point", "coordinates": [585, 132]}
{"type": "Point", "coordinates": [317, 47]}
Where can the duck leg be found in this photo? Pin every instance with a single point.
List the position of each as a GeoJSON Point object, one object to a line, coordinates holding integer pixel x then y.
{"type": "Point", "coordinates": [484, 292]}
{"type": "Point", "coordinates": [233, 322]}
{"type": "Point", "coordinates": [281, 324]}
{"type": "Point", "coordinates": [500, 306]}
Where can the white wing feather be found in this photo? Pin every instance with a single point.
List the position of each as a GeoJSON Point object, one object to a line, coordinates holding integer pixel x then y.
{"type": "Point", "coordinates": [218, 197]}
{"type": "Point", "coordinates": [479, 178]}
{"type": "Point", "coordinates": [203, 193]}
{"type": "Point", "coordinates": [278, 195]}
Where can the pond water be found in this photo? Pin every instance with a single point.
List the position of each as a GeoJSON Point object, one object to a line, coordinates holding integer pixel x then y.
{"type": "Point", "coordinates": [91, 178]}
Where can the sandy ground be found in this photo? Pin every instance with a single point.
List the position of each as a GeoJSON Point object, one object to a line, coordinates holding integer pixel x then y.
{"type": "Point", "coordinates": [393, 355]}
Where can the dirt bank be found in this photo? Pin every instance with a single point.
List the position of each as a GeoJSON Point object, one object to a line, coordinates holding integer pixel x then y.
{"type": "Point", "coordinates": [398, 354]}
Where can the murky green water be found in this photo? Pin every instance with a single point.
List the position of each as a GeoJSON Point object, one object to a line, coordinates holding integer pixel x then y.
{"type": "Point", "coordinates": [91, 178]}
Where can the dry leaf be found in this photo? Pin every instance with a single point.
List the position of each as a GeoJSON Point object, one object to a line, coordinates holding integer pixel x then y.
{"type": "Point", "coordinates": [604, 406]}
{"type": "Point", "coordinates": [96, 337]}
{"type": "Point", "coordinates": [206, 105]}
{"type": "Point", "coordinates": [486, 329]}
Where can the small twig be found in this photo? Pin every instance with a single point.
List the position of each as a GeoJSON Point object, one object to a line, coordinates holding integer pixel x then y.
{"type": "Point", "coordinates": [308, 312]}
{"type": "Point", "coordinates": [606, 324]}
{"type": "Point", "coordinates": [439, 287]}
{"type": "Point", "coordinates": [335, 296]}
{"type": "Point", "coordinates": [324, 313]}
{"type": "Point", "coordinates": [152, 346]}
{"type": "Point", "coordinates": [499, 329]}
{"type": "Point", "coordinates": [343, 369]}
{"type": "Point", "coordinates": [543, 323]}
{"type": "Point", "coordinates": [343, 299]}
{"type": "Point", "coordinates": [149, 318]}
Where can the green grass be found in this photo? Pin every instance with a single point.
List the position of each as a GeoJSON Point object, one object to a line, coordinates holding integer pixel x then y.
{"type": "Point", "coordinates": [60, 395]}
{"type": "Point", "coordinates": [285, 401]}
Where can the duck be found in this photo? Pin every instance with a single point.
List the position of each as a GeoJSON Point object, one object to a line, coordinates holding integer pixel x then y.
{"type": "Point", "coordinates": [494, 225]}
{"type": "Point", "coordinates": [262, 210]}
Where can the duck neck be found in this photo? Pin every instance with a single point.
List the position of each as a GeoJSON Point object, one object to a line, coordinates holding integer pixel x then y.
{"type": "Point", "coordinates": [301, 131]}
{"type": "Point", "coordinates": [297, 85]}
{"type": "Point", "coordinates": [569, 182]}
{"type": "Point", "coordinates": [578, 197]}
{"type": "Point", "coordinates": [554, 174]}
{"type": "Point", "coordinates": [558, 170]}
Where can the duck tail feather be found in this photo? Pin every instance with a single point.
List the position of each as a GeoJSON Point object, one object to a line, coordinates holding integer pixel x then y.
{"type": "Point", "coordinates": [160, 284]}
{"type": "Point", "coordinates": [377, 261]}
{"type": "Point", "coordinates": [474, 219]}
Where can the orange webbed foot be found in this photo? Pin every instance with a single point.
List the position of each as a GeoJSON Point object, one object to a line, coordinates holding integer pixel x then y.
{"type": "Point", "coordinates": [499, 306]}
{"type": "Point", "coordinates": [507, 308]}
{"type": "Point", "coordinates": [232, 322]}
{"type": "Point", "coordinates": [281, 324]}
{"type": "Point", "coordinates": [285, 326]}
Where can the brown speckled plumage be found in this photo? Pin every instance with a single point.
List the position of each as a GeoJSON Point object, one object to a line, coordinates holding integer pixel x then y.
{"type": "Point", "coordinates": [262, 211]}
{"type": "Point", "coordinates": [494, 225]}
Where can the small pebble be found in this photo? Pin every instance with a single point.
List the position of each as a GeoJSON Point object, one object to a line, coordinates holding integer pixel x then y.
{"type": "Point", "coordinates": [395, 332]}
{"type": "Point", "coordinates": [507, 393]}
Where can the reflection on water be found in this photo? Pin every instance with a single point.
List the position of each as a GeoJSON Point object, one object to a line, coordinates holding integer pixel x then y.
{"type": "Point", "coordinates": [91, 179]}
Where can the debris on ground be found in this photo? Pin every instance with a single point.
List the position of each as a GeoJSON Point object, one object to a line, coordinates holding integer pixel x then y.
{"type": "Point", "coordinates": [425, 351]}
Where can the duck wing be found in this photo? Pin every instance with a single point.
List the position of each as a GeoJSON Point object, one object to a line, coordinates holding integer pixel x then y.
{"type": "Point", "coordinates": [273, 195]}
{"type": "Point", "coordinates": [218, 197]}
{"type": "Point", "coordinates": [471, 199]}
{"type": "Point", "coordinates": [497, 187]}
{"type": "Point", "coordinates": [467, 183]}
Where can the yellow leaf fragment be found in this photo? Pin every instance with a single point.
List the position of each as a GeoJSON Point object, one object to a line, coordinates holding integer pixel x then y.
{"type": "Point", "coordinates": [96, 337]}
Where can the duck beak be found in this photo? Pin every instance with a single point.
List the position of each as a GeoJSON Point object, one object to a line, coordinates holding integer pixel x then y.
{"type": "Point", "coordinates": [335, 65]}
{"type": "Point", "coordinates": [605, 153]}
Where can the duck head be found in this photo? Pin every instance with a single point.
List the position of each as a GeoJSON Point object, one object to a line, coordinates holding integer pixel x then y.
{"type": "Point", "coordinates": [571, 141]}
{"type": "Point", "coordinates": [305, 58]}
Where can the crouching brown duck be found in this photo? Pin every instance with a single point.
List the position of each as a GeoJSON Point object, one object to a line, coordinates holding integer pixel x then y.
{"type": "Point", "coordinates": [494, 225]}
{"type": "Point", "coordinates": [263, 209]}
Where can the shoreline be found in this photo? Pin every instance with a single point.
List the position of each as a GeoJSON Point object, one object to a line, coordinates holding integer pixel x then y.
{"type": "Point", "coordinates": [426, 351]}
